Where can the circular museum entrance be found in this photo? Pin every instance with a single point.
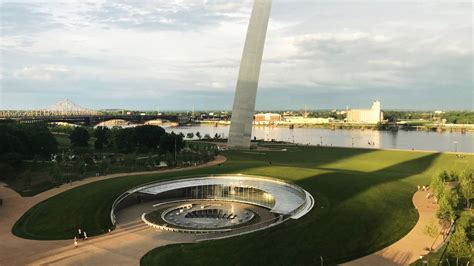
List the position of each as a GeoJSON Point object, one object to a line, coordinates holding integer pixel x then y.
{"type": "Point", "coordinates": [216, 206]}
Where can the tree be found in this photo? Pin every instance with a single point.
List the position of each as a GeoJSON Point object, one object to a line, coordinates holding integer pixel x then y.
{"type": "Point", "coordinates": [56, 174]}
{"type": "Point", "coordinates": [198, 135]}
{"type": "Point", "coordinates": [104, 166]}
{"type": "Point", "coordinates": [217, 136]}
{"type": "Point", "coordinates": [102, 135]}
{"type": "Point", "coordinates": [79, 167]}
{"type": "Point", "coordinates": [125, 139]}
{"type": "Point", "coordinates": [447, 204]}
{"type": "Point", "coordinates": [168, 142]}
{"type": "Point", "coordinates": [79, 137]}
{"type": "Point", "coordinates": [129, 162]}
{"type": "Point", "coordinates": [148, 137]}
{"type": "Point", "coordinates": [437, 184]}
{"type": "Point", "coordinates": [431, 229]}
{"type": "Point", "coordinates": [466, 185]}
{"type": "Point", "coordinates": [190, 135]}
{"type": "Point", "coordinates": [40, 141]}
{"type": "Point", "coordinates": [458, 246]}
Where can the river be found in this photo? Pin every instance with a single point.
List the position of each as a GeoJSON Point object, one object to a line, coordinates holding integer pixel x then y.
{"type": "Point", "coordinates": [418, 140]}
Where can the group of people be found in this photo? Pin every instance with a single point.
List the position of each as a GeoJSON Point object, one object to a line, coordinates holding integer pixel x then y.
{"type": "Point", "coordinates": [81, 234]}
{"type": "Point", "coordinates": [425, 188]}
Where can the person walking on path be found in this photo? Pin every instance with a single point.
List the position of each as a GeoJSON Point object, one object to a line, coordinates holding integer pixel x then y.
{"type": "Point", "coordinates": [75, 242]}
{"type": "Point", "coordinates": [85, 235]}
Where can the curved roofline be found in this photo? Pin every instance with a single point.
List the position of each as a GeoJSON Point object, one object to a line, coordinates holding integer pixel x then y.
{"type": "Point", "coordinates": [290, 199]}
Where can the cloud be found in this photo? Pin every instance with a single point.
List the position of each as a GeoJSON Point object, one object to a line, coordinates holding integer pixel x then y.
{"type": "Point", "coordinates": [175, 54]}
{"type": "Point", "coordinates": [164, 15]}
{"type": "Point", "coordinates": [45, 73]}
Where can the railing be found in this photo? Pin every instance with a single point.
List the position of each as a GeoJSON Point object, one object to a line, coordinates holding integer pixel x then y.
{"type": "Point", "coordinates": [192, 177]}
{"type": "Point", "coordinates": [242, 230]}
{"type": "Point", "coordinates": [182, 230]}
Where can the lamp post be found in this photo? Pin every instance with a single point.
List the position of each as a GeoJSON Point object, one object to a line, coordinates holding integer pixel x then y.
{"type": "Point", "coordinates": [321, 140]}
{"type": "Point", "coordinates": [352, 142]}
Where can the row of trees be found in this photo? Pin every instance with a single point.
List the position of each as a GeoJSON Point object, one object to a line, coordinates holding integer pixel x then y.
{"type": "Point", "coordinates": [448, 197]}
{"type": "Point", "coordinates": [27, 139]}
{"type": "Point", "coordinates": [191, 135]}
{"type": "Point", "coordinates": [454, 191]}
{"type": "Point", "coordinates": [455, 117]}
{"type": "Point", "coordinates": [137, 139]}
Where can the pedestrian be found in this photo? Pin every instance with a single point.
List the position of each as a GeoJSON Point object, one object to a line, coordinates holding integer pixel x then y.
{"type": "Point", "coordinates": [85, 235]}
{"type": "Point", "coordinates": [79, 231]}
{"type": "Point", "coordinates": [75, 242]}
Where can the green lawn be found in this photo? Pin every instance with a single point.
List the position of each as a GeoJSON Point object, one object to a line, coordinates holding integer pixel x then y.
{"type": "Point", "coordinates": [363, 203]}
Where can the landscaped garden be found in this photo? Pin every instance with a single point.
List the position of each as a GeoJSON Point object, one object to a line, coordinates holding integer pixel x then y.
{"type": "Point", "coordinates": [363, 203]}
{"type": "Point", "coordinates": [37, 157]}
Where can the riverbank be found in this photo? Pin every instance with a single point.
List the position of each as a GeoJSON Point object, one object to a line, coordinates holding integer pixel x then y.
{"type": "Point", "coordinates": [354, 138]}
{"type": "Point", "coordinates": [463, 128]}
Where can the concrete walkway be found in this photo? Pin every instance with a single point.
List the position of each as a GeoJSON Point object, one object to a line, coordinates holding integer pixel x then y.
{"type": "Point", "coordinates": [130, 240]}
{"type": "Point", "coordinates": [411, 246]}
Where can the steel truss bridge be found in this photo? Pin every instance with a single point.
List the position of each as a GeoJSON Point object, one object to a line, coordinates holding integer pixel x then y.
{"type": "Point", "coordinates": [67, 111]}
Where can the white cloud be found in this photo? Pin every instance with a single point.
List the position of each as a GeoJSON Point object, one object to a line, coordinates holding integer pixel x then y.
{"type": "Point", "coordinates": [183, 46]}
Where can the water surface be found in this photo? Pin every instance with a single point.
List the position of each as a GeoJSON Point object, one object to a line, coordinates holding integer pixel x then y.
{"type": "Point", "coordinates": [418, 140]}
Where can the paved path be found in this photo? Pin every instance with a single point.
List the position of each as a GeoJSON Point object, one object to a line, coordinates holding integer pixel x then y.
{"type": "Point", "coordinates": [127, 240]}
{"type": "Point", "coordinates": [411, 246]}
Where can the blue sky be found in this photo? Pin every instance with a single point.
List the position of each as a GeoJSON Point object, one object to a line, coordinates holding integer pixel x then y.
{"type": "Point", "coordinates": [162, 55]}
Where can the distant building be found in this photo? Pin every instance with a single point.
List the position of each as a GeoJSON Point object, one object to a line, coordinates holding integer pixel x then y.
{"type": "Point", "coordinates": [266, 118]}
{"type": "Point", "coordinates": [371, 116]}
{"type": "Point", "coordinates": [305, 120]}
{"type": "Point", "coordinates": [183, 119]}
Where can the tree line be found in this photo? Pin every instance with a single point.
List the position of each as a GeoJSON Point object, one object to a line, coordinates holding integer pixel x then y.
{"type": "Point", "coordinates": [135, 139]}
{"type": "Point", "coordinates": [25, 142]}
{"type": "Point", "coordinates": [454, 191]}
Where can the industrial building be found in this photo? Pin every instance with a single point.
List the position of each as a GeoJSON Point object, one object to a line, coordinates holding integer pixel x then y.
{"type": "Point", "coordinates": [267, 118]}
{"type": "Point", "coordinates": [371, 116]}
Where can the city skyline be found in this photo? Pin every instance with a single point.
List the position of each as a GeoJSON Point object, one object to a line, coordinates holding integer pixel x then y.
{"type": "Point", "coordinates": [319, 55]}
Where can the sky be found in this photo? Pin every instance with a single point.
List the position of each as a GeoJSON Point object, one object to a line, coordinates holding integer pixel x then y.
{"type": "Point", "coordinates": [185, 54]}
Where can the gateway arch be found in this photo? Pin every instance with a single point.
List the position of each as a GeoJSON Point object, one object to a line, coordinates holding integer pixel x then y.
{"type": "Point", "coordinates": [246, 91]}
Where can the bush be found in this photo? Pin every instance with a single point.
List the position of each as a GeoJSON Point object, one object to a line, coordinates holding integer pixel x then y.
{"type": "Point", "coordinates": [79, 137]}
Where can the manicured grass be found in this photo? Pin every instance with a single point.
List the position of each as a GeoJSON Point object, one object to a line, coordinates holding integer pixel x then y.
{"type": "Point", "coordinates": [363, 203]}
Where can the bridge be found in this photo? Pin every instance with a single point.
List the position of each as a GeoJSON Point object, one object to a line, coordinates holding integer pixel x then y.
{"type": "Point", "coordinates": [67, 111]}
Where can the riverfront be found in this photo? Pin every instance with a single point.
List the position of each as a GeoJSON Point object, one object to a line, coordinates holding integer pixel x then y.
{"type": "Point", "coordinates": [357, 138]}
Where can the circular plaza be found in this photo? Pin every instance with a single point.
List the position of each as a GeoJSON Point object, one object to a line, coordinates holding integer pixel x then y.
{"type": "Point", "coordinates": [216, 206]}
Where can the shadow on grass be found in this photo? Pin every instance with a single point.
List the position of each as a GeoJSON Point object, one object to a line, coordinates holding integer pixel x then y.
{"type": "Point", "coordinates": [356, 213]}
